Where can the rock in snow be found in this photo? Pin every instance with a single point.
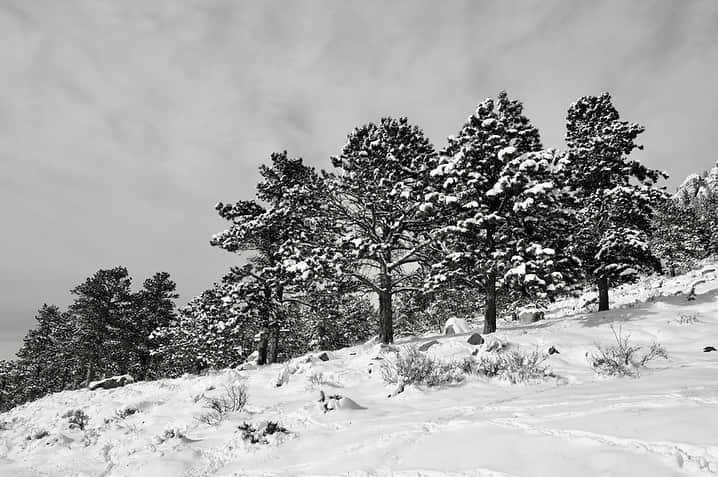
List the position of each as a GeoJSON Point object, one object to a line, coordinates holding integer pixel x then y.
{"type": "Point", "coordinates": [110, 383]}
{"type": "Point", "coordinates": [475, 339]}
{"type": "Point", "coordinates": [337, 402]}
{"type": "Point", "coordinates": [455, 326]}
{"type": "Point", "coordinates": [428, 345]}
{"type": "Point", "coordinates": [530, 315]}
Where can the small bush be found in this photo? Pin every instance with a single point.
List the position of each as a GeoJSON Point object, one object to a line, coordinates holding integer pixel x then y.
{"type": "Point", "coordinates": [37, 435]}
{"type": "Point", "coordinates": [317, 378]}
{"type": "Point", "coordinates": [687, 319]}
{"type": "Point", "coordinates": [415, 367]}
{"type": "Point", "coordinates": [513, 366]}
{"type": "Point", "coordinates": [124, 412]}
{"type": "Point", "coordinates": [77, 419]}
{"type": "Point", "coordinates": [623, 358]}
{"type": "Point", "coordinates": [259, 435]}
{"type": "Point", "coordinates": [232, 400]}
{"type": "Point", "coordinates": [283, 375]}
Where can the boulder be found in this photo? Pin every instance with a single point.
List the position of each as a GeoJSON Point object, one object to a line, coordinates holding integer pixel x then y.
{"type": "Point", "coordinates": [455, 326]}
{"type": "Point", "coordinates": [323, 356]}
{"type": "Point", "coordinates": [553, 350]}
{"type": "Point", "coordinates": [337, 402]}
{"type": "Point", "coordinates": [494, 344]}
{"type": "Point", "coordinates": [530, 315]}
{"type": "Point", "coordinates": [428, 345]}
{"type": "Point", "coordinates": [475, 339]}
{"type": "Point", "coordinates": [110, 383]}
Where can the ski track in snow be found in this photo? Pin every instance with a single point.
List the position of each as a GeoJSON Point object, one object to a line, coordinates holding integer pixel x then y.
{"type": "Point", "coordinates": [704, 459]}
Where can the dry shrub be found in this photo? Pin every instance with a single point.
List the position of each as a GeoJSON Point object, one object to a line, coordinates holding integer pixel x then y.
{"type": "Point", "coordinates": [415, 367]}
{"type": "Point", "coordinates": [623, 358]}
{"type": "Point", "coordinates": [232, 400]}
{"type": "Point", "coordinates": [513, 366]}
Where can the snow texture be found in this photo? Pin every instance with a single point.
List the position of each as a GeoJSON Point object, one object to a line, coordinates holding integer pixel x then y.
{"type": "Point", "coordinates": [577, 423]}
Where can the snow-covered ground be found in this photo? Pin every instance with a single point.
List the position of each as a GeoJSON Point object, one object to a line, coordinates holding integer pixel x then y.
{"type": "Point", "coordinates": [663, 423]}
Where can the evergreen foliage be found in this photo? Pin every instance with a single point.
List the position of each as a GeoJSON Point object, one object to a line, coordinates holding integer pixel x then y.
{"type": "Point", "coordinates": [506, 208]}
{"type": "Point", "coordinates": [292, 191]}
{"type": "Point", "coordinates": [616, 195]}
{"type": "Point", "coordinates": [378, 231]}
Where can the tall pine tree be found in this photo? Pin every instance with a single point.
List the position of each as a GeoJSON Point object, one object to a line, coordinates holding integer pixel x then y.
{"type": "Point", "coordinates": [507, 224]}
{"type": "Point", "coordinates": [100, 311]}
{"type": "Point", "coordinates": [289, 189]}
{"type": "Point", "coordinates": [379, 235]}
{"type": "Point", "coordinates": [616, 194]}
{"type": "Point", "coordinates": [154, 307]}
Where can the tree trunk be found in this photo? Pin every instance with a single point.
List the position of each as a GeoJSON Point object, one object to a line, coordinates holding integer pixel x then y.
{"type": "Point", "coordinates": [274, 343]}
{"type": "Point", "coordinates": [603, 294]}
{"type": "Point", "coordinates": [90, 376]}
{"type": "Point", "coordinates": [262, 345]}
{"type": "Point", "coordinates": [145, 365]}
{"type": "Point", "coordinates": [386, 324]}
{"type": "Point", "coordinates": [490, 313]}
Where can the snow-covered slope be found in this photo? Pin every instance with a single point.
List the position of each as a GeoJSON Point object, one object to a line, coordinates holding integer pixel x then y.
{"type": "Point", "coordinates": [663, 423]}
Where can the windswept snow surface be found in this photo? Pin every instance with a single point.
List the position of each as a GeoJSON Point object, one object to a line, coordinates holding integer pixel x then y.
{"type": "Point", "coordinates": [663, 423]}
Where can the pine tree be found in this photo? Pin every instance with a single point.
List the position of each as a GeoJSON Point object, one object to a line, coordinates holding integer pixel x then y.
{"type": "Point", "coordinates": [707, 212]}
{"type": "Point", "coordinates": [376, 232]}
{"type": "Point", "coordinates": [209, 332]}
{"type": "Point", "coordinates": [679, 237]}
{"type": "Point", "coordinates": [289, 189]}
{"type": "Point", "coordinates": [100, 311]}
{"type": "Point", "coordinates": [333, 319]}
{"type": "Point", "coordinates": [154, 307]}
{"type": "Point", "coordinates": [46, 354]}
{"type": "Point", "coordinates": [11, 385]}
{"type": "Point", "coordinates": [508, 224]}
{"type": "Point", "coordinates": [616, 194]}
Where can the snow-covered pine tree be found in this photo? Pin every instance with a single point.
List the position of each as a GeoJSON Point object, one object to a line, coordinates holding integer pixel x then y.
{"type": "Point", "coordinates": [508, 225]}
{"type": "Point", "coordinates": [333, 319]}
{"type": "Point", "coordinates": [679, 238]}
{"type": "Point", "coordinates": [154, 307]}
{"type": "Point", "coordinates": [11, 377]}
{"type": "Point", "coordinates": [372, 209]}
{"type": "Point", "coordinates": [616, 194]}
{"type": "Point", "coordinates": [291, 191]}
{"type": "Point", "coordinates": [46, 356]}
{"type": "Point", "coordinates": [707, 212]}
{"type": "Point", "coordinates": [210, 331]}
{"type": "Point", "coordinates": [100, 311]}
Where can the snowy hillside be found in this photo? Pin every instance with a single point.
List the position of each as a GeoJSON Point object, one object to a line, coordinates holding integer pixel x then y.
{"type": "Point", "coordinates": [574, 423]}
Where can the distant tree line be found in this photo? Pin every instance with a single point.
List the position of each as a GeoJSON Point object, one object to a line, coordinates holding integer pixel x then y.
{"type": "Point", "coordinates": [105, 331]}
{"type": "Point", "coordinates": [397, 237]}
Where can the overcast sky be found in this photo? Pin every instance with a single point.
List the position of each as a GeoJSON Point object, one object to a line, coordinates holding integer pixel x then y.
{"type": "Point", "coordinates": [123, 122]}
